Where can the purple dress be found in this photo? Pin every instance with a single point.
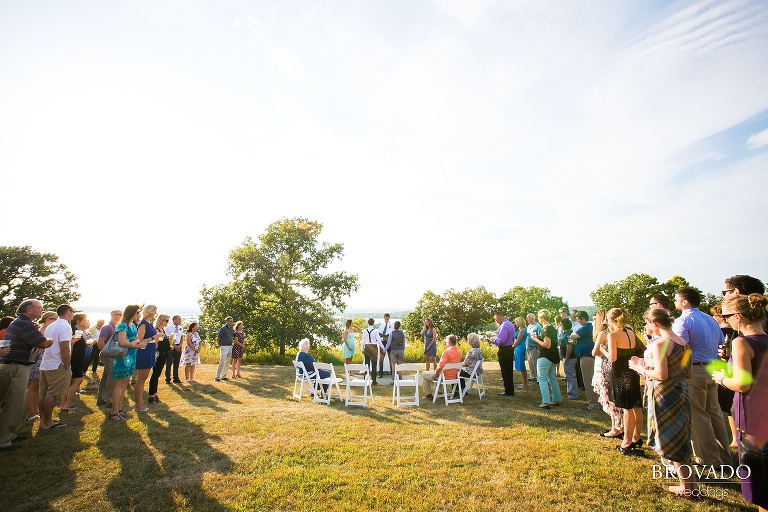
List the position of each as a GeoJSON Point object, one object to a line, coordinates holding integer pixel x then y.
{"type": "Point", "coordinates": [755, 487]}
{"type": "Point", "coordinates": [237, 351]}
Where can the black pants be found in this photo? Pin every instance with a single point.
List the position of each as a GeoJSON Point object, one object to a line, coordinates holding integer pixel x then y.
{"type": "Point", "coordinates": [162, 355]}
{"type": "Point", "coordinates": [174, 356]}
{"type": "Point", "coordinates": [507, 366]}
{"type": "Point", "coordinates": [94, 362]}
{"type": "Point", "coordinates": [579, 379]}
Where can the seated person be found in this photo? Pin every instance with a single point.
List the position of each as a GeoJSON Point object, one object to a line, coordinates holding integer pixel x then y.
{"type": "Point", "coordinates": [309, 361]}
{"type": "Point", "coordinates": [452, 354]}
{"type": "Point", "coordinates": [473, 356]}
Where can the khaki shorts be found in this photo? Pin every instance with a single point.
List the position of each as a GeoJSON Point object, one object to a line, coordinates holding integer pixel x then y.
{"type": "Point", "coordinates": [55, 382]}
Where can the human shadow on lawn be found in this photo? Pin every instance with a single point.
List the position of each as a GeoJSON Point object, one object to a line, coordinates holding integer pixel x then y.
{"type": "Point", "coordinates": [168, 478]}
{"type": "Point", "coordinates": [200, 395]}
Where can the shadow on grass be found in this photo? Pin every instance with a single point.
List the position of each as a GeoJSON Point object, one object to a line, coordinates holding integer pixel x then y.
{"type": "Point", "coordinates": [206, 395]}
{"type": "Point", "coordinates": [169, 467]}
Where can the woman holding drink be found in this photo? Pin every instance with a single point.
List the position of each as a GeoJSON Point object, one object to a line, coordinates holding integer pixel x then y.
{"type": "Point", "coordinates": [80, 326]}
{"type": "Point", "coordinates": [123, 368]}
{"type": "Point", "coordinates": [145, 358]}
{"type": "Point", "coordinates": [163, 346]}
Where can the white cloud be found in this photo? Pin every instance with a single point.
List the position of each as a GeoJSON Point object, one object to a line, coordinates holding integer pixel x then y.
{"type": "Point", "coordinates": [757, 140]}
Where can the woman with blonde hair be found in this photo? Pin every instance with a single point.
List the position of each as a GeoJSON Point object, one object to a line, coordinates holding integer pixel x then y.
{"type": "Point", "coordinates": [430, 342]}
{"type": "Point", "coordinates": [746, 314]}
{"type": "Point", "coordinates": [163, 347]}
{"type": "Point", "coordinates": [145, 358]}
{"type": "Point", "coordinates": [624, 386]}
{"type": "Point", "coordinates": [238, 347]}
{"type": "Point", "coordinates": [549, 358]}
{"type": "Point", "coordinates": [602, 376]}
{"type": "Point", "coordinates": [521, 340]}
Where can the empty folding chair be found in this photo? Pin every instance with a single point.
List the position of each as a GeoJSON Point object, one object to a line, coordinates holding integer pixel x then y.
{"type": "Point", "coordinates": [358, 376]}
{"type": "Point", "coordinates": [454, 383]}
{"type": "Point", "coordinates": [406, 376]}
{"type": "Point", "coordinates": [304, 380]}
{"type": "Point", "coordinates": [474, 379]}
{"type": "Point", "coordinates": [321, 395]}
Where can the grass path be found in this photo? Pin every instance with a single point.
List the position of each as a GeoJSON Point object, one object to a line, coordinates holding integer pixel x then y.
{"type": "Point", "coordinates": [247, 445]}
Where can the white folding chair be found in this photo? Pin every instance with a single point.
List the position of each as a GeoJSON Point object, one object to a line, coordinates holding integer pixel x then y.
{"type": "Point", "coordinates": [321, 395]}
{"type": "Point", "coordinates": [455, 384]}
{"type": "Point", "coordinates": [358, 376]}
{"type": "Point", "coordinates": [474, 378]}
{"type": "Point", "coordinates": [406, 375]}
{"type": "Point", "coordinates": [304, 380]}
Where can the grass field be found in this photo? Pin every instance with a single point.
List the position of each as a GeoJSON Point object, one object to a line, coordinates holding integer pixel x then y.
{"type": "Point", "coordinates": [247, 445]}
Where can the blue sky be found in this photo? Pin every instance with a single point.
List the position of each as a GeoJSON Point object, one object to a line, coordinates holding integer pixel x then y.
{"type": "Point", "coordinates": [447, 144]}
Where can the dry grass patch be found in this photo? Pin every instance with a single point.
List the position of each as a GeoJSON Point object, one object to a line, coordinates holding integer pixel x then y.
{"type": "Point", "coordinates": [247, 445]}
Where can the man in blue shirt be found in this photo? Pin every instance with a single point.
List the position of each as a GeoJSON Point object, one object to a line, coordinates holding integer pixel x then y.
{"type": "Point", "coordinates": [582, 337]}
{"type": "Point", "coordinates": [709, 435]}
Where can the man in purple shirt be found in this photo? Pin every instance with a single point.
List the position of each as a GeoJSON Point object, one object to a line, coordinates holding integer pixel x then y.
{"type": "Point", "coordinates": [505, 338]}
{"type": "Point", "coordinates": [709, 435]}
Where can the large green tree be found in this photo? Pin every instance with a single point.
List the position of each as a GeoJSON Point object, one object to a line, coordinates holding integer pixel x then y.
{"type": "Point", "coordinates": [26, 273]}
{"type": "Point", "coordinates": [519, 301]}
{"type": "Point", "coordinates": [454, 312]}
{"type": "Point", "coordinates": [281, 288]}
{"type": "Point", "coordinates": [633, 294]}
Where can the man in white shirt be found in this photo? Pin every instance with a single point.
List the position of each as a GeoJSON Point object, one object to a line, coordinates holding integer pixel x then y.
{"type": "Point", "coordinates": [55, 372]}
{"type": "Point", "coordinates": [384, 331]}
{"type": "Point", "coordinates": [176, 332]}
{"type": "Point", "coordinates": [372, 348]}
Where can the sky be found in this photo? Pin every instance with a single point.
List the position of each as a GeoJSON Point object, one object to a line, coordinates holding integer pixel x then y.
{"type": "Point", "coordinates": [445, 143]}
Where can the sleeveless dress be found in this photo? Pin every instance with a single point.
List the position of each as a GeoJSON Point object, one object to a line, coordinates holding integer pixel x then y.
{"type": "Point", "coordinates": [624, 384]}
{"type": "Point", "coordinates": [347, 352]}
{"type": "Point", "coordinates": [189, 357]}
{"type": "Point", "coordinates": [123, 368]}
{"type": "Point", "coordinates": [431, 352]}
{"type": "Point", "coordinates": [669, 410]}
{"type": "Point", "coordinates": [237, 351]}
{"type": "Point", "coordinates": [145, 357]}
{"type": "Point", "coordinates": [520, 355]}
{"type": "Point", "coordinates": [754, 488]}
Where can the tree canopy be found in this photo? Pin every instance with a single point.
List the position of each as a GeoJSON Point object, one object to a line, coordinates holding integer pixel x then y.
{"type": "Point", "coordinates": [28, 274]}
{"type": "Point", "coordinates": [281, 288]}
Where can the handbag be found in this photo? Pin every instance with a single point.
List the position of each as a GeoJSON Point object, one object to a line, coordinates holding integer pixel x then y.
{"type": "Point", "coordinates": [112, 349]}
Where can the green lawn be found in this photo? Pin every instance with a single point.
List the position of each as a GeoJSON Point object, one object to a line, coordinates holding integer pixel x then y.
{"type": "Point", "coordinates": [247, 445]}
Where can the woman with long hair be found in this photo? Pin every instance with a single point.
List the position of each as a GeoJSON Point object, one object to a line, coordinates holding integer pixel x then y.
{"type": "Point", "coordinates": [191, 355]}
{"type": "Point", "coordinates": [123, 368]}
{"type": "Point", "coordinates": [430, 342]}
{"type": "Point", "coordinates": [238, 347]}
{"type": "Point", "coordinates": [725, 395]}
{"type": "Point", "coordinates": [163, 346]}
{"type": "Point", "coordinates": [746, 315]}
{"type": "Point", "coordinates": [521, 341]}
{"type": "Point", "coordinates": [624, 386]}
{"type": "Point", "coordinates": [78, 360]}
{"type": "Point", "coordinates": [145, 358]}
{"type": "Point", "coordinates": [669, 409]}
{"type": "Point", "coordinates": [348, 341]}
{"type": "Point", "coordinates": [549, 358]}
{"type": "Point", "coordinates": [602, 376]}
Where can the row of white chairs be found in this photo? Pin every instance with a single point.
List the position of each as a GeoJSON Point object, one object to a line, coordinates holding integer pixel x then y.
{"type": "Point", "coordinates": [406, 376]}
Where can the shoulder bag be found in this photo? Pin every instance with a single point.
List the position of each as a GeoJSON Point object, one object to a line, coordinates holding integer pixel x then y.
{"type": "Point", "coordinates": [113, 349]}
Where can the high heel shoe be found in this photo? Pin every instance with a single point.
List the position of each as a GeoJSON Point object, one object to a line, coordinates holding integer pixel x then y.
{"type": "Point", "coordinates": [605, 434]}
{"type": "Point", "coordinates": [636, 444]}
{"type": "Point", "coordinates": [626, 451]}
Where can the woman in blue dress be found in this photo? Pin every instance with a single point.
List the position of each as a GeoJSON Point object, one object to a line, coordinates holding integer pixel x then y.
{"type": "Point", "coordinates": [145, 358]}
{"type": "Point", "coordinates": [122, 369]}
{"type": "Point", "coordinates": [348, 339]}
{"type": "Point", "coordinates": [520, 343]}
{"type": "Point", "coordinates": [430, 342]}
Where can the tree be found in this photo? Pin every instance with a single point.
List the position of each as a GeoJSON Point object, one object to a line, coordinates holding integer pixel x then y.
{"type": "Point", "coordinates": [280, 288]}
{"type": "Point", "coordinates": [633, 294]}
{"type": "Point", "coordinates": [28, 274]}
{"type": "Point", "coordinates": [453, 312]}
{"type": "Point", "coordinates": [520, 301]}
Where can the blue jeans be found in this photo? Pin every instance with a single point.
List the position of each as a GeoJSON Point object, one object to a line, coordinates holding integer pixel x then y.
{"type": "Point", "coordinates": [547, 376]}
{"type": "Point", "coordinates": [572, 390]}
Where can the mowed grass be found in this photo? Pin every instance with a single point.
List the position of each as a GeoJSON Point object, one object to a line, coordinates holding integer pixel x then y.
{"type": "Point", "coordinates": [247, 445]}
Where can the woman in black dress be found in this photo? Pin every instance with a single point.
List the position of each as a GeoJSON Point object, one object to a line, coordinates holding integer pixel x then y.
{"type": "Point", "coordinates": [624, 386]}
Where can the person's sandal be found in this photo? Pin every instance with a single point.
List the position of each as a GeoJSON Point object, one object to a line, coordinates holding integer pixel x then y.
{"type": "Point", "coordinates": [117, 416]}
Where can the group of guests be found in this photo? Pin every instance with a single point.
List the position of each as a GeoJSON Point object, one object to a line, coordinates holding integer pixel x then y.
{"type": "Point", "coordinates": [45, 357]}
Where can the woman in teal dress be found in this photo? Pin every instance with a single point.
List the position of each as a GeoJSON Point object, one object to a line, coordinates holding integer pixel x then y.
{"type": "Point", "coordinates": [122, 369]}
{"type": "Point", "coordinates": [348, 337]}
